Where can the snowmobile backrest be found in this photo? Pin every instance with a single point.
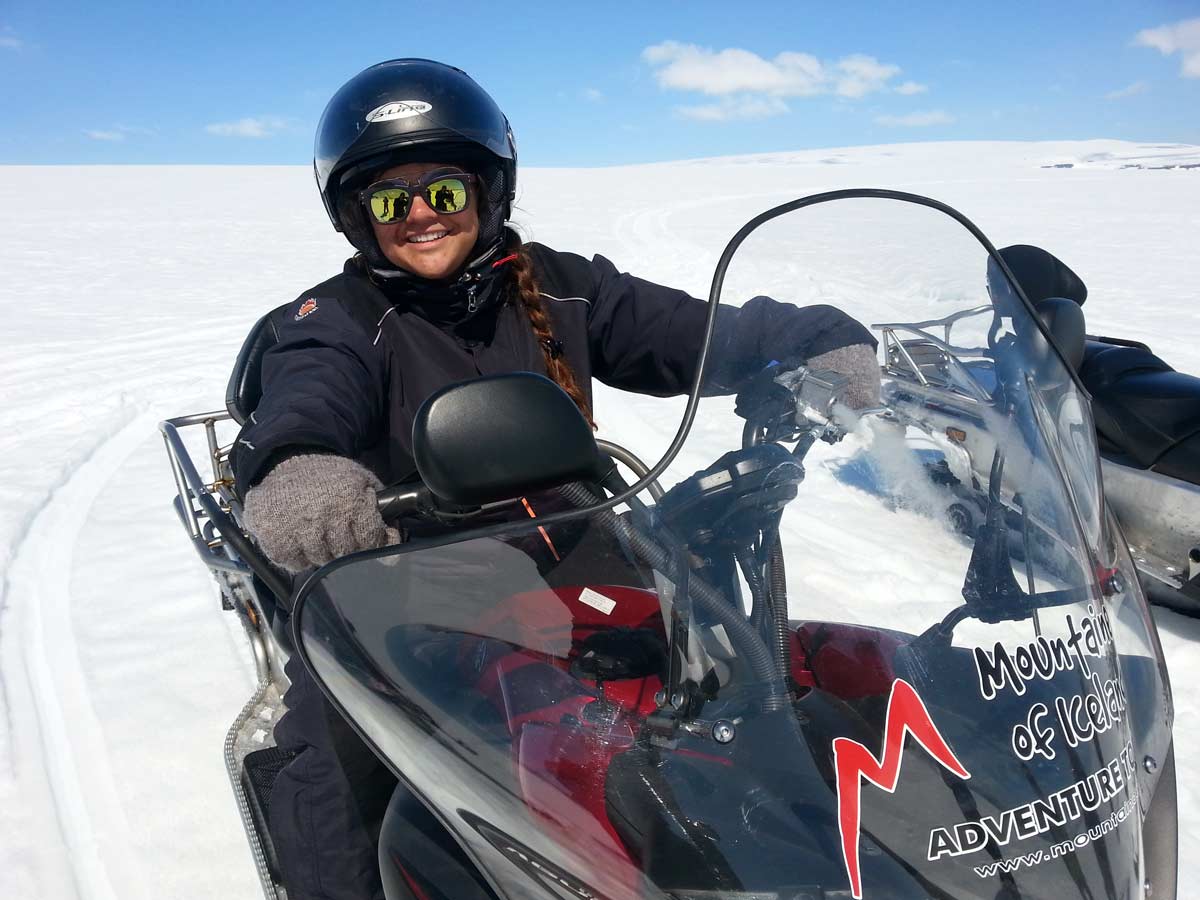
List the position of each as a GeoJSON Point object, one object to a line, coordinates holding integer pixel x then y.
{"type": "Point", "coordinates": [1064, 319]}
{"type": "Point", "coordinates": [245, 382]}
{"type": "Point", "coordinates": [1042, 274]}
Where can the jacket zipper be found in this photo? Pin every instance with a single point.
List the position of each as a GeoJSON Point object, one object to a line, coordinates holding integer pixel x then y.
{"type": "Point", "coordinates": [472, 282]}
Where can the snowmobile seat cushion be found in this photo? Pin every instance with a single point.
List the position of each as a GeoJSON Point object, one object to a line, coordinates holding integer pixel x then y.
{"type": "Point", "coordinates": [1143, 408]}
{"type": "Point", "coordinates": [1121, 342]}
{"type": "Point", "coordinates": [849, 661]}
{"type": "Point", "coordinates": [245, 382]}
{"type": "Point", "coordinates": [1106, 363]}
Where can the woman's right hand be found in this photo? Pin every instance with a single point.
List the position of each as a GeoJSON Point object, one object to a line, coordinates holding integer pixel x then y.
{"type": "Point", "coordinates": [313, 508]}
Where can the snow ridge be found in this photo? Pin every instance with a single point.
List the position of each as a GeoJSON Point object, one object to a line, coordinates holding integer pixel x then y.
{"type": "Point", "coordinates": [79, 827]}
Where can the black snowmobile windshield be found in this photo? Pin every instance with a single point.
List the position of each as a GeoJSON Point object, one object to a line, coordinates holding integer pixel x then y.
{"type": "Point", "coordinates": [893, 652]}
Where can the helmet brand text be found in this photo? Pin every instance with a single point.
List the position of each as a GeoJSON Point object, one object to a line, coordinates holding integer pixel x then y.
{"type": "Point", "coordinates": [398, 109]}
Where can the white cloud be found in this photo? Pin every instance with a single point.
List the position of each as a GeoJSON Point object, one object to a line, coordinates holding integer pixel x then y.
{"type": "Point", "coordinates": [249, 127]}
{"type": "Point", "coordinates": [687, 67]}
{"type": "Point", "coordinates": [1182, 38]}
{"type": "Point", "coordinates": [731, 108]}
{"type": "Point", "coordinates": [859, 75]}
{"type": "Point", "coordinates": [117, 132]}
{"type": "Point", "coordinates": [749, 86]}
{"type": "Point", "coordinates": [917, 120]}
{"type": "Point", "coordinates": [10, 41]}
{"type": "Point", "coordinates": [724, 73]}
{"type": "Point", "coordinates": [1137, 87]}
{"type": "Point", "coordinates": [593, 95]}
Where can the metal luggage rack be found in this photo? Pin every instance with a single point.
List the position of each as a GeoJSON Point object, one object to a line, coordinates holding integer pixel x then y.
{"type": "Point", "coordinates": [208, 509]}
{"type": "Point", "coordinates": [932, 362]}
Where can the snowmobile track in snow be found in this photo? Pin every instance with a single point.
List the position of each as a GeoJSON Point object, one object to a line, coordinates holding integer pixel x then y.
{"type": "Point", "coordinates": [62, 773]}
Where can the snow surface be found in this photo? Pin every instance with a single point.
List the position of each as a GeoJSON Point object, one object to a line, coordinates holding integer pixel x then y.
{"type": "Point", "coordinates": [126, 292]}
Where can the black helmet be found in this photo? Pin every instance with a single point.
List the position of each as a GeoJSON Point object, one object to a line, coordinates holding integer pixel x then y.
{"type": "Point", "coordinates": [412, 110]}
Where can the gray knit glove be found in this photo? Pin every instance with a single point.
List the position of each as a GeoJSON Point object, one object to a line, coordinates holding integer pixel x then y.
{"type": "Point", "coordinates": [314, 507]}
{"type": "Point", "coordinates": [858, 363]}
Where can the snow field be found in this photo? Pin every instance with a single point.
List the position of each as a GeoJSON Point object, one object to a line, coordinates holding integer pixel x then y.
{"type": "Point", "coordinates": [126, 292]}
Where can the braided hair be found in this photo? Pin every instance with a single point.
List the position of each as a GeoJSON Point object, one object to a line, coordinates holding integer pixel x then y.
{"type": "Point", "coordinates": [530, 299]}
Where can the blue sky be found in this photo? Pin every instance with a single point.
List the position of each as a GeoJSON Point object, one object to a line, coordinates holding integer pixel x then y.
{"type": "Point", "coordinates": [596, 83]}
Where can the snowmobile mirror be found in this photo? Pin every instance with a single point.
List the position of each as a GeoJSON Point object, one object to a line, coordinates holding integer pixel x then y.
{"type": "Point", "coordinates": [1064, 319]}
{"type": "Point", "coordinates": [502, 436]}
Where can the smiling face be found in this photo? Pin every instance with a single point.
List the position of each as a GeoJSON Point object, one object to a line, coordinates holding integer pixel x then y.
{"type": "Point", "coordinates": [427, 243]}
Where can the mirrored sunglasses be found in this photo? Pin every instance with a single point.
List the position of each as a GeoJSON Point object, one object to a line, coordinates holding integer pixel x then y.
{"type": "Point", "coordinates": [390, 200]}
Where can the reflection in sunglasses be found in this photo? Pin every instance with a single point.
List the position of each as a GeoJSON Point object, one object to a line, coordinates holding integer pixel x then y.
{"type": "Point", "coordinates": [442, 194]}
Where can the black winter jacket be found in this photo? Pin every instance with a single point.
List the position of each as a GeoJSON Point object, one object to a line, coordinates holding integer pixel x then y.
{"type": "Point", "coordinates": [357, 355]}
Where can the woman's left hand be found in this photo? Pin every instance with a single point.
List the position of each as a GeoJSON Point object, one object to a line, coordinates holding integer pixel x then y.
{"type": "Point", "coordinates": [858, 363]}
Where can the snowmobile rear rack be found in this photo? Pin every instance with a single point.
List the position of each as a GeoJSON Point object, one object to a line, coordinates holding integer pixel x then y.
{"type": "Point", "coordinates": [933, 362]}
{"type": "Point", "coordinates": [206, 508]}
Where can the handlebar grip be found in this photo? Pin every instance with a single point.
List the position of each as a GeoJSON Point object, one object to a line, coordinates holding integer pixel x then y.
{"type": "Point", "coordinates": [401, 500]}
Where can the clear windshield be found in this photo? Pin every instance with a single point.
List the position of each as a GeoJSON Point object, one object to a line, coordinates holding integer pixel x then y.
{"type": "Point", "coordinates": [894, 653]}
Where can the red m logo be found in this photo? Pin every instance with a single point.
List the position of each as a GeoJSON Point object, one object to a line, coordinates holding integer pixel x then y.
{"type": "Point", "coordinates": [906, 713]}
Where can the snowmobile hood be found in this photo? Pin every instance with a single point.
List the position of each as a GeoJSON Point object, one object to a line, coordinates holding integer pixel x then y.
{"type": "Point", "coordinates": [893, 653]}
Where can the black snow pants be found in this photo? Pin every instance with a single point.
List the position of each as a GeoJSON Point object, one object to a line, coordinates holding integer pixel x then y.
{"type": "Point", "coordinates": [328, 802]}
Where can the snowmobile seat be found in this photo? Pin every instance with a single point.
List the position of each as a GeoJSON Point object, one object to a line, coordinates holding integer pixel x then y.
{"type": "Point", "coordinates": [245, 382]}
{"type": "Point", "coordinates": [1145, 411]}
{"type": "Point", "coordinates": [849, 661]}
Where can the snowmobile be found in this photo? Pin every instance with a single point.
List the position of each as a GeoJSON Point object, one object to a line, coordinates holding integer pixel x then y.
{"type": "Point", "coordinates": [1147, 419]}
{"type": "Point", "coordinates": [789, 676]}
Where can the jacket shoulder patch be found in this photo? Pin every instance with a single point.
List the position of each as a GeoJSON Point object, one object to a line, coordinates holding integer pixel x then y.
{"type": "Point", "coordinates": [307, 308]}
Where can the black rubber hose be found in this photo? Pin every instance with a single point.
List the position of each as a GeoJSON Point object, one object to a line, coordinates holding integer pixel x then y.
{"type": "Point", "coordinates": [746, 561]}
{"type": "Point", "coordinates": [648, 551]}
{"type": "Point", "coordinates": [639, 468]}
{"type": "Point", "coordinates": [779, 609]}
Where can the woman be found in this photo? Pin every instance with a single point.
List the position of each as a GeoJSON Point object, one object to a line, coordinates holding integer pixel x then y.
{"type": "Point", "coordinates": [417, 167]}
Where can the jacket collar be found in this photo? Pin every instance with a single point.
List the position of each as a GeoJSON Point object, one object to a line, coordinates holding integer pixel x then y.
{"type": "Point", "coordinates": [481, 287]}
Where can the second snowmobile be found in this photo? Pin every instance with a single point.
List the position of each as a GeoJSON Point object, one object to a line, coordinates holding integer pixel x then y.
{"type": "Point", "coordinates": [1147, 419]}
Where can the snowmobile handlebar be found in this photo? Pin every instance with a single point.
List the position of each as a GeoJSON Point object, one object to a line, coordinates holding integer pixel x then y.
{"type": "Point", "coordinates": [402, 500]}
